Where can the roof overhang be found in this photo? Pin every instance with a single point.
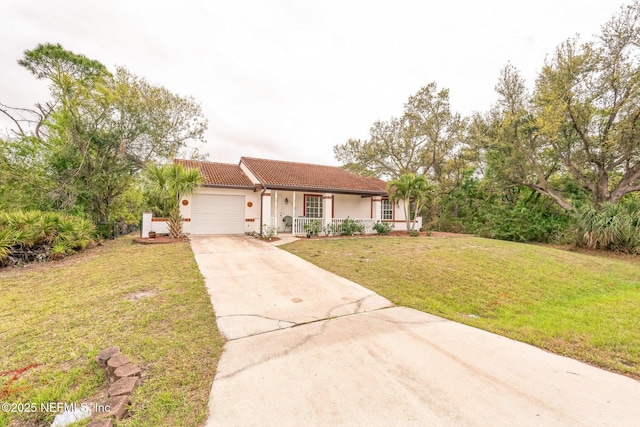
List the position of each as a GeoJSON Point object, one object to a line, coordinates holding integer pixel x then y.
{"type": "Point", "coordinates": [327, 190]}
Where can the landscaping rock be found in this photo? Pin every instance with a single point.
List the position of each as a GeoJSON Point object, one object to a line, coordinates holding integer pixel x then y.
{"type": "Point", "coordinates": [129, 370]}
{"type": "Point", "coordinates": [118, 360]}
{"type": "Point", "coordinates": [118, 407]}
{"type": "Point", "coordinates": [106, 354]}
{"type": "Point", "coordinates": [100, 423]}
{"type": "Point", "coordinates": [124, 386]}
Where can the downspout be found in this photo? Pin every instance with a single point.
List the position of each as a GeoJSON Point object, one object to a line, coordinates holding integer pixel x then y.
{"type": "Point", "coordinates": [261, 198]}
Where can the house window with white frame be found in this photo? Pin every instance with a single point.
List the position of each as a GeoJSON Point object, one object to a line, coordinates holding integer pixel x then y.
{"type": "Point", "coordinates": [313, 206]}
{"type": "Point", "coordinates": [387, 209]}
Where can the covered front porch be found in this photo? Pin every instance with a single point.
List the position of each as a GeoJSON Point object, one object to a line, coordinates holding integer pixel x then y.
{"type": "Point", "coordinates": [304, 212]}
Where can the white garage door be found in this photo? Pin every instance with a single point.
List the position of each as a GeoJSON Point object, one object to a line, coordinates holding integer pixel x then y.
{"type": "Point", "coordinates": [217, 214]}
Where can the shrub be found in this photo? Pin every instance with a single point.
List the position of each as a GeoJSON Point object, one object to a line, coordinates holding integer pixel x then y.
{"type": "Point", "coordinates": [610, 227]}
{"type": "Point", "coordinates": [414, 233]}
{"type": "Point", "coordinates": [268, 232]}
{"type": "Point", "coordinates": [351, 226]}
{"type": "Point", "coordinates": [383, 227]}
{"type": "Point", "coordinates": [7, 241]}
{"type": "Point", "coordinates": [312, 228]}
{"type": "Point", "coordinates": [27, 236]}
{"type": "Point", "coordinates": [333, 229]}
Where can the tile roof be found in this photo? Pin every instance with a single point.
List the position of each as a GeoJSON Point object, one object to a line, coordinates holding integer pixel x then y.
{"type": "Point", "coordinates": [301, 176]}
{"type": "Point", "coordinates": [219, 174]}
{"type": "Point", "coordinates": [279, 174]}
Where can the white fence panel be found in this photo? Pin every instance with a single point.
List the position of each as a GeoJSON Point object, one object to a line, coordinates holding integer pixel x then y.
{"type": "Point", "coordinates": [300, 225]}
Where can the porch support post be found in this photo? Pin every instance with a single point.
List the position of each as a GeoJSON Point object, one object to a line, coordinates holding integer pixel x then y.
{"type": "Point", "coordinates": [327, 208]}
{"type": "Point", "coordinates": [376, 208]}
{"type": "Point", "coordinates": [293, 203]}
{"type": "Point", "coordinates": [294, 230]}
{"type": "Point", "coordinates": [266, 209]}
{"type": "Point", "coordinates": [275, 213]}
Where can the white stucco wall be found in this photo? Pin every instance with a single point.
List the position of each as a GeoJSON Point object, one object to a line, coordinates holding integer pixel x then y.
{"type": "Point", "coordinates": [353, 206]}
{"type": "Point", "coordinates": [399, 217]}
{"type": "Point", "coordinates": [344, 205]}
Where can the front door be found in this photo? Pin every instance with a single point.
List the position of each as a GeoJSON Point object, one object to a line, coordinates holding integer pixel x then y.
{"type": "Point", "coordinates": [284, 208]}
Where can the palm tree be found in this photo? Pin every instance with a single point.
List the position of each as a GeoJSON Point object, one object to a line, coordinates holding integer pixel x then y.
{"type": "Point", "coordinates": [172, 183]}
{"type": "Point", "coordinates": [410, 188]}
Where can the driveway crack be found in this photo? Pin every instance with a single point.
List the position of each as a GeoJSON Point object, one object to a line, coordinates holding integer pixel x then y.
{"type": "Point", "coordinates": [255, 315]}
{"type": "Point", "coordinates": [296, 346]}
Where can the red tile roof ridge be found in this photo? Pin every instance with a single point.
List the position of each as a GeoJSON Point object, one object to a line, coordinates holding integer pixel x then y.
{"type": "Point", "coordinates": [205, 161]}
{"type": "Point", "coordinates": [289, 161]}
{"type": "Point", "coordinates": [281, 173]}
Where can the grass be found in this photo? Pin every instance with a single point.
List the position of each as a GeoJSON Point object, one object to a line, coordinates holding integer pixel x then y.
{"type": "Point", "coordinates": [579, 305]}
{"type": "Point", "coordinates": [60, 315]}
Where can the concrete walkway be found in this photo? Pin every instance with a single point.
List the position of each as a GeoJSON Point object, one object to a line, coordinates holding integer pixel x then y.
{"type": "Point", "coordinates": [308, 348]}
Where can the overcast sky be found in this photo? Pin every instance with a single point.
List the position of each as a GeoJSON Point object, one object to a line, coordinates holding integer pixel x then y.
{"type": "Point", "coordinates": [288, 80]}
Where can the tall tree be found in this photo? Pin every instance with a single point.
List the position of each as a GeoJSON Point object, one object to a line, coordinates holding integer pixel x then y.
{"type": "Point", "coordinates": [101, 128]}
{"type": "Point", "coordinates": [581, 126]}
{"type": "Point", "coordinates": [24, 183]}
{"type": "Point", "coordinates": [421, 141]}
{"type": "Point", "coordinates": [516, 154]}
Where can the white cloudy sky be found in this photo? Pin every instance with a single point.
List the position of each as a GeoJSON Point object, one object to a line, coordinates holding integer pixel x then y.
{"type": "Point", "coordinates": [289, 79]}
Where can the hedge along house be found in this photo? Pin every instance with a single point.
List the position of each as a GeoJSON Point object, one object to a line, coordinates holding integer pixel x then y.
{"type": "Point", "coordinates": [244, 198]}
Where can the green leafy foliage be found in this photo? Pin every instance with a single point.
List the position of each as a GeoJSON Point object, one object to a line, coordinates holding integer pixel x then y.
{"type": "Point", "coordinates": [613, 227]}
{"type": "Point", "coordinates": [313, 227]}
{"type": "Point", "coordinates": [415, 191]}
{"type": "Point", "coordinates": [7, 241]}
{"type": "Point", "coordinates": [523, 224]}
{"type": "Point", "coordinates": [480, 206]}
{"type": "Point", "coordinates": [268, 232]}
{"type": "Point", "coordinates": [24, 179]}
{"type": "Point", "coordinates": [383, 228]}
{"type": "Point", "coordinates": [581, 123]}
{"type": "Point", "coordinates": [421, 141]}
{"type": "Point", "coordinates": [351, 226]}
{"type": "Point", "coordinates": [26, 236]}
{"type": "Point", "coordinates": [167, 185]}
{"type": "Point", "coordinates": [332, 229]}
{"type": "Point", "coordinates": [82, 151]}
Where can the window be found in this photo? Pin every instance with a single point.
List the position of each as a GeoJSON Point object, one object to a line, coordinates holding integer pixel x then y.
{"type": "Point", "coordinates": [313, 206]}
{"type": "Point", "coordinates": [387, 209]}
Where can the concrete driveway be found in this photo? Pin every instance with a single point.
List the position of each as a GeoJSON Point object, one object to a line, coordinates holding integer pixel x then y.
{"type": "Point", "coordinates": [307, 348]}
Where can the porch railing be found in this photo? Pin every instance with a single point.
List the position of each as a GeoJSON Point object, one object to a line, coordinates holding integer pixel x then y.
{"type": "Point", "coordinates": [300, 225]}
{"type": "Point", "coordinates": [334, 225]}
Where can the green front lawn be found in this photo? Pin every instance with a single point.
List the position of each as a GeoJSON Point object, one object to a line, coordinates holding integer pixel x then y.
{"type": "Point", "coordinates": [59, 315]}
{"type": "Point", "coordinates": [582, 306]}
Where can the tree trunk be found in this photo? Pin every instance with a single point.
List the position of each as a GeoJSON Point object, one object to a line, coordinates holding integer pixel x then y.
{"type": "Point", "coordinates": [175, 224]}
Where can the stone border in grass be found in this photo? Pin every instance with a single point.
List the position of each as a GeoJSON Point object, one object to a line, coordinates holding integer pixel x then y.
{"type": "Point", "coordinates": [123, 376]}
